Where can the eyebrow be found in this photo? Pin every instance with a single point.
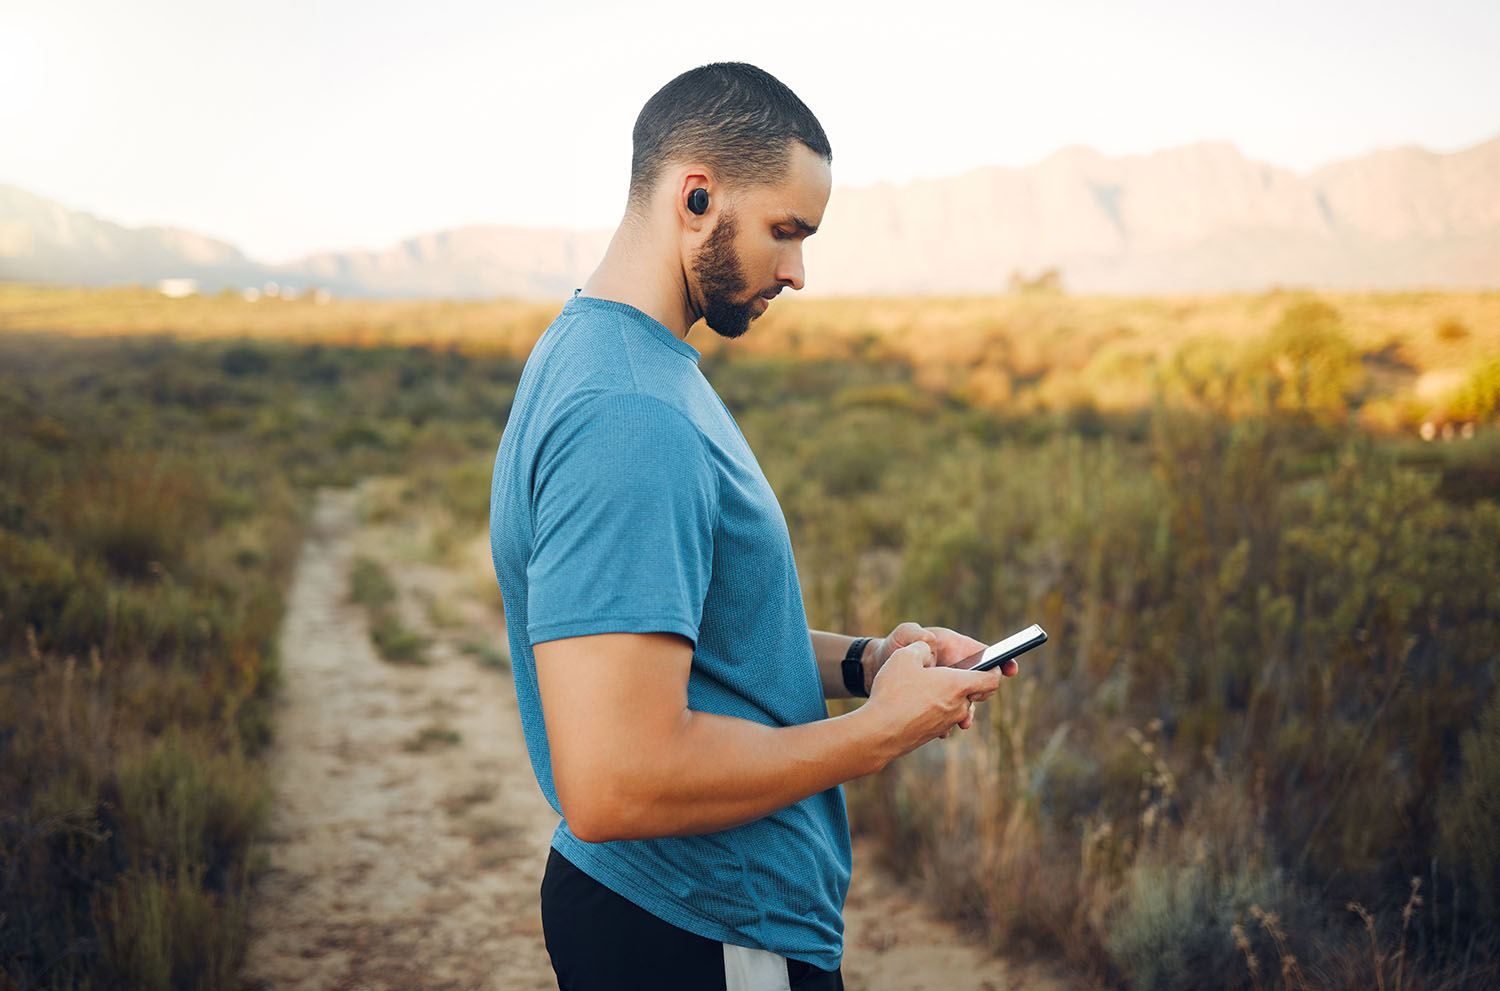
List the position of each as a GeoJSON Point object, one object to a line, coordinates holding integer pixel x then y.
{"type": "Point", "coordinates": [802, 226]}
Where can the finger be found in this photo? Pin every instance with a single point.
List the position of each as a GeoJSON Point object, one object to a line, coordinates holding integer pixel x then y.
{"type": "Point", "coordinates": [955, 640]}
{"type": "Point", "coordinates": [983, 683]}
{"type": "Point", "coordinates": [910, 633]}
{"type": "Point", "coordinates": [953, 647]}
{"type": "Point", "coordinates": [968, 719]}
{"type": "Point", "coordinates": [954, 637]}
{"type": "Point", "coordinates": [1010, 668]}
{"type": "Point", "coordinates": [919, 650]}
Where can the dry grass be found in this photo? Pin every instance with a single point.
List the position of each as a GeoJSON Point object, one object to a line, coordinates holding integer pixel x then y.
{"type": "Point", "coordinates": [956, 344]}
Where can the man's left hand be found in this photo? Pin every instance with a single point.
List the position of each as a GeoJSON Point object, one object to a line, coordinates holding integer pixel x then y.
{"type": "Point", "coordinates": [948, 648]}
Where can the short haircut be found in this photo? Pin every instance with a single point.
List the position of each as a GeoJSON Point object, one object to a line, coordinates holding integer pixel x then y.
{"type": "Point", "coordinates": [735, 118]}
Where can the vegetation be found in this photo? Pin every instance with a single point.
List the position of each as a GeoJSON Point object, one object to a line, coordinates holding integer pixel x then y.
{"type": "Point", "coordinates": [1261, 743]}
{"type": "Point", "coordinates": [432, 736]}
{"type": "Point", "coordinates": [1262, 659]}
{"type": "Point", "coordinates": [1471, 811]}
{"type": "Point", "coordinates": [371, 587]}
{"type": "Point", "coordinates": [152, 494]}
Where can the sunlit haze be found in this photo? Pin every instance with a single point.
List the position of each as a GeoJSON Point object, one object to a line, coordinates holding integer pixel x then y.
{"type": "Point", "coordinates": [289, 127]}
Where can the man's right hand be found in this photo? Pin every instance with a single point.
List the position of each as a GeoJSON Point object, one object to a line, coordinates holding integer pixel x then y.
{"type": "Point", "coordinates": [919, 701]}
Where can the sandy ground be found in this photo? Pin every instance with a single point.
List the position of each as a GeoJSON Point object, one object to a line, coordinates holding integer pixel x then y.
{"type": "Point", "coordinates": [408, 835]}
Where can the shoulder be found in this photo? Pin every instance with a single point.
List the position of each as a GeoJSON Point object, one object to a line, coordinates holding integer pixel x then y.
{"type": "Point", "coordinates": [600, 346]}
{"type": "Point", "coordinates": [624, 456]}
{"type": "Point", "coordinates": [630, 424]}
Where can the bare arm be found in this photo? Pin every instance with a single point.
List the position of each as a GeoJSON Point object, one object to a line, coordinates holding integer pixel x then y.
{"type": "Point", "coordinates": [830, 648]}
{"type": "Point", "coordinates": [630, 760]}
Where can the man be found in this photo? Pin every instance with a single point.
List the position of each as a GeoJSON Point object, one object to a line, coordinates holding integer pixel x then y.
{"type": "Point", "coordinates": [671, 693]}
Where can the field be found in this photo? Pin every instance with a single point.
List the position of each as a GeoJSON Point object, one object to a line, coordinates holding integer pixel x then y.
{"type": "Point", "coordinates": [1263, 744]}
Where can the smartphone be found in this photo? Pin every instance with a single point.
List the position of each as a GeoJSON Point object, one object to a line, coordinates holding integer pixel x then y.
{"type": "Point", "coordinates": [997, 654]}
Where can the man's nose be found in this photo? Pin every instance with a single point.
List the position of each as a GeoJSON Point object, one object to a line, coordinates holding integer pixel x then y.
{"type": "Point", "coordinates": [791, 273]}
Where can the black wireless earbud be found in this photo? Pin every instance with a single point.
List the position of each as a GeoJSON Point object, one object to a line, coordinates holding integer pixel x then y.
{"type": "Point", "coordinates": [698, 201]}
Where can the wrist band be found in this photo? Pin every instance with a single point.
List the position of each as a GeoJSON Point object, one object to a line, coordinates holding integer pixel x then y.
{"type": "Point", "coordinates": [854, 667]}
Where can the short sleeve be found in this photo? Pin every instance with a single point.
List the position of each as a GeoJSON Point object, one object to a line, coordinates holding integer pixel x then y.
{"type": "Point", "coordinates": [624, 502]}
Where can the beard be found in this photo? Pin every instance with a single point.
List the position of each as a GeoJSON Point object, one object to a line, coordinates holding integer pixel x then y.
{"type": "Point", "coordinates": [722, 282]}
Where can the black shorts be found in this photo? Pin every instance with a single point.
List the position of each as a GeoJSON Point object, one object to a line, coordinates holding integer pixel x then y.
{"type": "Point", "coordinates": [600, 941]}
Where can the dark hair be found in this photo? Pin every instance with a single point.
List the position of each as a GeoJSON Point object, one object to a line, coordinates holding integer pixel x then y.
{"type": "Point", "coordinates": [733, 117]}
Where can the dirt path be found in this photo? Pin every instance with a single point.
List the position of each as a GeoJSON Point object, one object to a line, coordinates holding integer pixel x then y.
{"type": "Point", "coordinates": [408, 836]}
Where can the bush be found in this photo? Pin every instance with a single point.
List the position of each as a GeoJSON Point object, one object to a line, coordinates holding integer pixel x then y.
{"type": "Point", "coordinates": [370, 585]}
{"type": "Point", "coordinates": [1471, 840]}
{"type": "Point", "coordinates": [1307, 361]}
{"type": "Point", "coordinates": [168, 932]}
{"type": "Point", "coordinates": [136, 511]}
{"type": "Point", "coordinates": [395, 642]}
{"type": "Point", "coordinates": [1478, 398]}
{"type": "Point", "coordinates": [1180, 924]}
{"type": "Point", "coordinates": [245, 359]}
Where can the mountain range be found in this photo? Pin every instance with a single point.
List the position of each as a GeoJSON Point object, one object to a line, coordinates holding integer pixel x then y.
{"type": "Point", "coordinates": [1196, 218]}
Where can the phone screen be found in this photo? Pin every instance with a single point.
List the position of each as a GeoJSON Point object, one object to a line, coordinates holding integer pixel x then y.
{"type": "Point", "coordinates": [998, 653]}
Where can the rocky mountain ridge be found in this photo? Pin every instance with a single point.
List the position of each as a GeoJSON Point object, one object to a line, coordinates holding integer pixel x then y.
{"type": "Point", "coordinates": [1197, 218]}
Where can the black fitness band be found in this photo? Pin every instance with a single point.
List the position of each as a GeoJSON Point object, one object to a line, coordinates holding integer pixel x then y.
{"type": "Point", "coordinates": [854, 667]}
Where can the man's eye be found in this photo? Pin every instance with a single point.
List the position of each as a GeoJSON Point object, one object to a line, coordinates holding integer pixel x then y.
{"type": "Point", "coordinates": [780, 234]}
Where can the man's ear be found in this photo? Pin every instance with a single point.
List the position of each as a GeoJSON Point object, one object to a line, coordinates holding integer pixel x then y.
{"type": "Point", "coordinates": [689, 181]}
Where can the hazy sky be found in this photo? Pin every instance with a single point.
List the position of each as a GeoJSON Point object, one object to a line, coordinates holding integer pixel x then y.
{"type": "Point", "coordinates": [286, 126]}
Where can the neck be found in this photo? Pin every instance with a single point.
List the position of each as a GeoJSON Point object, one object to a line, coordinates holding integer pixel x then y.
{"type": "Point", "coordinates": [642, 269]}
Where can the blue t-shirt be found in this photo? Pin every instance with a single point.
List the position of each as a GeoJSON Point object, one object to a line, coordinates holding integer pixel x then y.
{"type": "Point", "coordinates": [625, 500]}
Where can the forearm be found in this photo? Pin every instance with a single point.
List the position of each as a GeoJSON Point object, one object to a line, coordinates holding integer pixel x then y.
{"type": "Point", "coordinates": [829, 649]}
{"type": "Point", "coordinates": [710, 772]}
{"type": "Point", "coordinates": [631, 759]}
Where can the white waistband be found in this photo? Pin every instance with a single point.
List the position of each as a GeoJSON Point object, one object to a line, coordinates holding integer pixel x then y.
{"type": "Point", "coordinates": [754, 970]}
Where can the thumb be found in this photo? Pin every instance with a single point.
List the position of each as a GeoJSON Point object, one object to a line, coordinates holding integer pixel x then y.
{"type": "Point", "coordinates": [984, 682]}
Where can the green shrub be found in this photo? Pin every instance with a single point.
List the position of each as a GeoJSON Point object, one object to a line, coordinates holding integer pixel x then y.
{"type": "Point", "coordinates": [356, 433]}
{"type": "Point", "coordinates": [1478, 398]}
{"type": "Point", "coordinates": [487, 655]}
{"type": "Point", "coordinates": [1177, 926]}
{"type": "Point", "coordinates": [1471, 839]}
{"type": "Point", "coordinates": [1308, 361]}
{"type": "Point", "coordinates": [395, 642]}
{"type": "Point", "coordinates": [137, 511]}
{"type": "Point", "coordinates": [430, 737]}
{"type": "Point", "coordinates": [244, 359]}
{"type": "Point", "coordinates": [179, 808]}
{"type": "Point", "coordinates": [370, 585]}
{"type": "Point", "coordinates": [466, 493]}
{"type": "Point", "coordinates": [168, 932]}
